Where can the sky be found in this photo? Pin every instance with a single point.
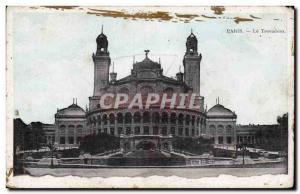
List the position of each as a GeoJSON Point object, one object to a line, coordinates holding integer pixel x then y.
{"type": "Point", "coordinates": [52, 58]}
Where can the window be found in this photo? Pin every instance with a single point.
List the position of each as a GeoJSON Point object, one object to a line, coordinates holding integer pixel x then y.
{"type": "Point", "coordinates": [220, 129]}
{"type": "Point", "coordinates": [220, 140]}
{"type": "Point", "coordinates": [187, 119]}
{"type": "Point", "coordinates": [128, 118]}
{"type": "Point", "coordinates": [155, 130]}
{"type": "Point", "coordinates": [71, 140]}
{"type": "Point", "coordinates": [146, 130]}
{"type": "Point", "coordinates": [164, 118]}
{"type": "Point", "coordinates": [137, 130]}
{"type": "Point", "coordinates": [120, 118]}
{"type": "Point", "coordinates": [112, 131]}
{"type": "Point", "coordinates": [104, 119]}
{"type": "Point", "coordinates": [173, 118]}
{"type": "Point", "coordinates": [128, 131]}
{"type": "Point", "coordinates": [173, 130]}
{"type": "Point", "coordinates": [180, 131]}
{"type": "Point", "coordinates": [228, 129]}
{"type": "Point", "coordinates": [120, 130]}
{"type": "Point", "coordinates": [146, 117]}
{"type": "Point", "coordinates": [187, 132]}
{"type": "Point", "coordinates": [112, 119]}
{"type": "Point", "coordinates": [228, 140]}
{"type": "Point", "coordinates": [62, 129]}
{"type": "Point", "coordinates": [62, 140]}
{"type": "Point", "coordinates": [137, 117]}
{"type": "Point", "coordinates": [155, 117]}
{"type": "Point", "coordinates": [164, 131]}
{"type": "Point", "coordinates": [180, 119]}
{"type": "Point", "coordinates": [78, 139]}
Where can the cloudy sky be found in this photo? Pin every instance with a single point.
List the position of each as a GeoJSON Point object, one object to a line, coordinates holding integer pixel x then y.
{"type": "Point", "coordinates": [52, 57]}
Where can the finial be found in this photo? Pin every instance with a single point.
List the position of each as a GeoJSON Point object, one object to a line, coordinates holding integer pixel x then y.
{"type": "Point", "coordinates": [133, 59]}
{"type": "Point", "coordinates": [147, 52]}
{"type": "Point", "coordinates": [76, 101]}
{"type": "Point", "coordinates": [159, 60]}
{"type": "Point", "coordinates": [113, 69]}
{"type": "Point", "coordinates": [179, 68]}
{"type": "Point", "coordinates": [73, 100]}
{"type": "Point", "coordinates": [191, 30]}
{"type": "Point", "coordinates": [102, 29]}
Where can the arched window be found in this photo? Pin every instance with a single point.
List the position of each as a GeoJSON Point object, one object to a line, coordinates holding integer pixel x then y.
{"type": "Point", "coordinates": [104, 119]}
{"type": "Point", "coordinates": [220, 129]}
{"type": "Point", "coordinates": [146, 117]}
{"type": "Point", "coordinates": [79, 129]}
{"type": "Point", "coordinates": [155, 117]}
{"type": "Point", "coordinates": [180, 119]}
{"type": "Point", "coordinates": [137, 117]}
{"type": "Point", "coordinates": [99, 119]}
{"type": "Point", "coordinates": [128, 117]}
{"type": "Point", "coordinates": [173, 118]}
{"type": "Point", "coordinates": [164, 117]}
{"type": "Point", "coordinates": [71, 130]}
{"type": "Point", "coordinates": [112, 118]}
{"type": "Point", "coordinates": [193, 120]}
{"type": "Point", "coordinates": [187, 119]}
{"type": "Point", "coordinates": [120, 118]}
{"type": "Point", "coordinates": [137, 130]}
{"type": "Point", "coordinates": [229, 129]}
{"type": "Point", "coordinates": [62, 129]}
{"type": "Point", "coordinates": [212, 129]}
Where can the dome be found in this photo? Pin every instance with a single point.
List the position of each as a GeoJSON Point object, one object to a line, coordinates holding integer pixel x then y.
{"type": "Point", "coordinates": [72, 110]}
{"type": "Point", "coordinates": [192, 38]}
{"type": "Point", "coordinates": [220, 111]}
{"type": "Point", "coordinates": [147, 64]}
{"type": "Point", "coordinates": [102, 39]}
{"type": "Point", "coordinates": [191, 43]}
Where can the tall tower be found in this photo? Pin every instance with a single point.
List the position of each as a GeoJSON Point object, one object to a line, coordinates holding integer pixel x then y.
{"type": "Point", "coordinates": [101, 64]}
{"type": "Point", "coordinates": [191, 63]}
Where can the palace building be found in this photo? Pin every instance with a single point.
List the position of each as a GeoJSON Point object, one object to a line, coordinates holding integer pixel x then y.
{"type": "Point", "coordinates": [153, 127]}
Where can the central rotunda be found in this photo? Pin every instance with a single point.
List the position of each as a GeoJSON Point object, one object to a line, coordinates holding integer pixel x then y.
{"type": "Point", "coordinates": [151, 128]}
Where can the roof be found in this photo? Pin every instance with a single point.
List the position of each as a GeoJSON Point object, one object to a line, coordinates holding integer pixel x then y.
{"type": "Point", "coordinates": [220, 111]}
{"type": "Point", "coordinates": [147, 64]}
{"type": "Point", "coordinates": [72, 110]}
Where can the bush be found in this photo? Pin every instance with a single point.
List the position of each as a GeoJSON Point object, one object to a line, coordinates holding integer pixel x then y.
{"type": "Point", "coordinates": [193, 145]}
{"type": "Point", "coordinates": [95, 144]}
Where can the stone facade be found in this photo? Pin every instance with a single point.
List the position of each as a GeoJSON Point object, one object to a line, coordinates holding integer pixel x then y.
{"type": "Point", "coordinates": [155, 126]}
{"type": "Point", "coordinates": [70, 124]}
{"type": "Point", "coordinates": [221, 125]}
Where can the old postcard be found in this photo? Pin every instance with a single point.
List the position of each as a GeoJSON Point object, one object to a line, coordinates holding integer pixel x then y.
{"type": "Point", "coordinates": [150, 97]}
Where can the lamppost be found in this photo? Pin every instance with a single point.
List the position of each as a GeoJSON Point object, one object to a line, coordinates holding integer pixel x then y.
{"type": "Point", "coordinates": [52, 148]}
{"type": "Point", "coordinates": [243, 148]}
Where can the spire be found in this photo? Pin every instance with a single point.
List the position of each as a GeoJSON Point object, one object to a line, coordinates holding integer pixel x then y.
{"type": "Point", "coordinates": [73, 100]}
{"type": "Point", "coordinates": [191, 30]}
{"type": "Point", "coordinates": [146, 53]}
{"type": "Point", "coordinates": [102, 29]}
{"type": "Point", "coordinates": [159, 60]}
{"type": "Point", "coordinates": [133, 59]}
{"type": "Point", "coordinates": [113, 67]}
{"type": "Point", "coordinates": [76, 101]}
{"type": "Point", "coordinates": [179, 68]}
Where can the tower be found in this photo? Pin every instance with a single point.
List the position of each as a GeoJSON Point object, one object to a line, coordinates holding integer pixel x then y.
{"type": "Point", "coordinates": [101, 64]}
{"type": "Point", "coordinates": [191, 63]}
